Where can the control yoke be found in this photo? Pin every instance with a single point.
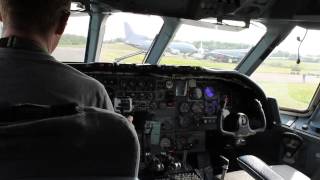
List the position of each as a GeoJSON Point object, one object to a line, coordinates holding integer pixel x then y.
{"type": "Point", "coordinates": [244, 129]}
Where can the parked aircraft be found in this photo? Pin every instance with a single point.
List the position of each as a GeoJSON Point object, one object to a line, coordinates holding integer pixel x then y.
{"type": "Point", "coordinates": [227, 55]}
{"type": "Point", "coordinates": [224, 55]}
{"type": "Point", "coordinates": [142, 42]}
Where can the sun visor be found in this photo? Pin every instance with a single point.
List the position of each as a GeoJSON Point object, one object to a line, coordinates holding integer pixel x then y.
{"type": "Point", "coordinates": [225, 25]}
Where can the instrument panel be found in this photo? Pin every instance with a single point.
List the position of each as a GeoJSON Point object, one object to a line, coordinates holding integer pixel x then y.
{"type": "Point", "coordinates": [177, 110]}
{"type": "Point", "coordinates": [174, 107]}
{"type": "Point", "coordinates": [195, 102]}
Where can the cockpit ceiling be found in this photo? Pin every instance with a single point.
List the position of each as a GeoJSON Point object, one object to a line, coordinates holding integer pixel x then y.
{"type": "Point", "coordinates": [199, 9]}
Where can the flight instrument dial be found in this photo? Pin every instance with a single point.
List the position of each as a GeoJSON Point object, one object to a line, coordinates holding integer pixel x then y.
{"type": "Point", "coordinates": [184, 108]}
{"type": "Point", "coordinates": [196, 93]}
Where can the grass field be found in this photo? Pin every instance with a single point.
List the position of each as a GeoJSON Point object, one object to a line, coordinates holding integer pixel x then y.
{"type": "Point", "coordinates": [296, 95]}
{"type": "Point", "coordinates": [110, 52]}
{"type": "Point", "coordinates": [292, 95]}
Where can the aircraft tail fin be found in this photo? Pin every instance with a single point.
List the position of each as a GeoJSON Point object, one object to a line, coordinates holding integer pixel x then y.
{"type": "Point", "coordinates": [134, 39]}
{"type": "Point", "coordinates": [129, 33]}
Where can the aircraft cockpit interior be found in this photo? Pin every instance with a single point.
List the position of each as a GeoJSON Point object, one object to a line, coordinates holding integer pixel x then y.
{"type": "Point", "coordinates": [203, 90]}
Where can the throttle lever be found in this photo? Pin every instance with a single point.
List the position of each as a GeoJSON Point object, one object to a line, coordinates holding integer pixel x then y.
{"type": "Point", "coordinates": [225, 167]}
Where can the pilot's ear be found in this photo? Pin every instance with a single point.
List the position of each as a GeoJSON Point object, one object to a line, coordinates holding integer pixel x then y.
{"type": "Point", "coordinates": [62, 23]}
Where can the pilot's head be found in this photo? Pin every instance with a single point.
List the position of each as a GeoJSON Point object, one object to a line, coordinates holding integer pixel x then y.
{"type": "Point", "coordinates": [43, 21]}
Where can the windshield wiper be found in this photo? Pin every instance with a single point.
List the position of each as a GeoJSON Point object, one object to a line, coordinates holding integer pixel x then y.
{"type": "Point", "coordinates": [122, 58]}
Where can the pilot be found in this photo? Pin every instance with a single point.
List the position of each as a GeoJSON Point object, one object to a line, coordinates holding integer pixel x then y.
{"type": "Point", "coordinates": [28, 73]}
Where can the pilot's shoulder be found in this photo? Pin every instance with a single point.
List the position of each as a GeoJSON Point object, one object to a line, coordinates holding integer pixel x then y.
{"type": "Point", "coordinates": [80, 77]}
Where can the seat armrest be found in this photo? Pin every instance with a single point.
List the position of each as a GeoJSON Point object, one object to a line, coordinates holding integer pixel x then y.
{"type": "Point", "coordinates": [257, 168]}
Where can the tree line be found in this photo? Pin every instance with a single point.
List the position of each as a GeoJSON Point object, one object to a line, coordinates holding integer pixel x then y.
{"type": "Point", "coordinates": [212, 45]}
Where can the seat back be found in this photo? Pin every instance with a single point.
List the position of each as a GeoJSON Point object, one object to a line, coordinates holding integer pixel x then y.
{"type": "Point", "coordinates": [89, 144]}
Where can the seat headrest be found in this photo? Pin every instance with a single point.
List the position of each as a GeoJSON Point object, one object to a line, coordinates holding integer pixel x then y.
{"type": "Point", "coordinates": [92, 142]}
{"type": "Point", "coordinates": [28, 112]}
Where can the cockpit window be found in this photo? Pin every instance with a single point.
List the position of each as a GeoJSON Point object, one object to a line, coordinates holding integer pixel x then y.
{"type": "Point", "coordinates": [128, 37]}
{"type": "Point", "coordinates": [216, 47]}
{"type": "Point", "coordinates": [281, 76]}
{"type": "Point", "coordinates": [72, 46]}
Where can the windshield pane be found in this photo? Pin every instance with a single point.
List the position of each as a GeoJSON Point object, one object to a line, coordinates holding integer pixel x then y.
{"type": "Point", "coordinates": [216, 48]}
{"type": "Point", "coordinates": [72, 46]}
{"type": "Point", "coordinates": [292, 84]}
{"type": "Point", "coordinates": [128, 37]}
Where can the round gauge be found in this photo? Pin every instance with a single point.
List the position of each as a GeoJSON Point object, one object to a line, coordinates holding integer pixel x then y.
{"type": "Point", "coordinates": [197, 108]}
{"type": "Point", "coordinates": [196, 93]}
{"type": "Point", "coordinates": [153, 106]}
{"type": "Point", "coordinates": [169, 84]}
{"type": "Point", "coordinates": [132, 84]}
{"type": "Point", "coordinates": [165, 143]}
{"type": "Point", "coordinates": [184, 121]}
{"type": "Point", "coordinates": [149, 96]}
{"type": "Point", "coordinates": [209, 92]}
{"type": "Point", "coordinates": [123, 84]}
{"type": "Point", "coordinates": [150, 85]}
{"type": "Point", "coordinates": [211, 107]}
{"type": "Point", "coordinates": [184, 108]}
{"type": "Point", "coordinates": [141, 84]}
{"type": "Point", "coordinates": [166, 125]}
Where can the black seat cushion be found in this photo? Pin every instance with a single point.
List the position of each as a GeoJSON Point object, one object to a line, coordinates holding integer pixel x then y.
{"type": "Point", "coordinates": [13, 113]}
{"type": "Point", "coordinates": [93, 142]}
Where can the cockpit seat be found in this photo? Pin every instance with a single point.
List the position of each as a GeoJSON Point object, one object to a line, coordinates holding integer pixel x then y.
{"type": "Point", "coordinates": [256, 169]}
{"type": "Point", "coordinates": [82, 143]}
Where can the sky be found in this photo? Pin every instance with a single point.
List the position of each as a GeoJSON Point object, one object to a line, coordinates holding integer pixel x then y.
{"type": "Point", "coordinates": [149, 26]}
